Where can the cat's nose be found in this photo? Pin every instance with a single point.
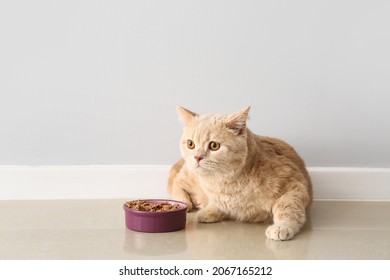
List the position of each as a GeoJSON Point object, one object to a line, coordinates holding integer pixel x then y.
{"type": "Point", "coordinates": [198, 158]}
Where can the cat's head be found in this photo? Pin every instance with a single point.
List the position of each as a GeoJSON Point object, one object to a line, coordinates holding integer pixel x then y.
{"type": "Point", "coordinates": [214, 143]}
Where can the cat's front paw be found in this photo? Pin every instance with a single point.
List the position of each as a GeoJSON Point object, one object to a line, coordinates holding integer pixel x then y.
{"type": "Point", "coordinates": [280, 232]}
{"type": "Point", "coordinates": [190, 205]}
{"type": "Point", "coordinates": [209, 216]}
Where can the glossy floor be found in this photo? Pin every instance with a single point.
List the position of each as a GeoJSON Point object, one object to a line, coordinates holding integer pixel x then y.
{"type": "Point", "coordinates": [94, 229]}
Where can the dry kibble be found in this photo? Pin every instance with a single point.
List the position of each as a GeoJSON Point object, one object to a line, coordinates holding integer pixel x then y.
{"type": "Point", "coordinates": [142, 205]}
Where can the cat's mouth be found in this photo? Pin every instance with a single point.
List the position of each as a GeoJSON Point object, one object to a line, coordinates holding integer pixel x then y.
{"type": "Point", "coordinates": [197, 165]}
{"type": "Point", "coordinates": [201, 167]}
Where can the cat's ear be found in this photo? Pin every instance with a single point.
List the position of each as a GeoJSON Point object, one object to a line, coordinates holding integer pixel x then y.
{"type": "Point", "coordinates": [237, 121]}
{"type": "Point", "coordinates": [186, 115]}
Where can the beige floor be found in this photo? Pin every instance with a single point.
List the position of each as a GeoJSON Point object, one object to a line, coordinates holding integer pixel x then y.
{"type": "Point", "coordinates": [94, 229]}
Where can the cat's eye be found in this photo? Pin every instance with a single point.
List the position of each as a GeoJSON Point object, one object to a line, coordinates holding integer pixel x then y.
{"type": "Point", "coordinates": [214, 146]}
{"type": "Point", "coordinates": [190, 144]}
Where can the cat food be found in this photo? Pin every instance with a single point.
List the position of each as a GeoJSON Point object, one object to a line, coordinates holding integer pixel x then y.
{"type": "Point", "coordinates": [142, 205]}
{"type": "Point", "coordinates": [155, 215]}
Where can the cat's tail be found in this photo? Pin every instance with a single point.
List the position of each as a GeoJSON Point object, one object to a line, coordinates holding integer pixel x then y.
{"type": "Point", "coordinates": [173, 173]}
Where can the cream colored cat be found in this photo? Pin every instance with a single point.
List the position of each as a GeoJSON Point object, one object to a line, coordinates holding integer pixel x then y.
{"type": "Point", "coordinates": [229, 172]}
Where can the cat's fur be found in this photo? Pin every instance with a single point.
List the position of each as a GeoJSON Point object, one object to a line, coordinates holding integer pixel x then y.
{"type": "Point", "coordinates": [250, 178]}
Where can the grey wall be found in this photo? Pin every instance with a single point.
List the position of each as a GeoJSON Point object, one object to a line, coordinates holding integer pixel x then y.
{"type": "Point", "coordinates": [97, 82]}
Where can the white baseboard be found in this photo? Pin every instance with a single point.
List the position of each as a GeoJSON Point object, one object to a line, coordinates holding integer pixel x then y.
{"type": "Point", "coordinates": [127, 181]}
{"type": "Point", "coordinates": [83, 182]}
{"type": "Point", "coordinates": [350, 183]}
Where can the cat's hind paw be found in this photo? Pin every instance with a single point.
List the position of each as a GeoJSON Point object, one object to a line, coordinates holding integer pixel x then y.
{"type": "Point", "coordinates": [280, 232]}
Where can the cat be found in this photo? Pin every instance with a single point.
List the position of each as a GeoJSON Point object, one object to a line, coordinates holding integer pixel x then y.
{"type": "Point", "coordinates": [228, 172]}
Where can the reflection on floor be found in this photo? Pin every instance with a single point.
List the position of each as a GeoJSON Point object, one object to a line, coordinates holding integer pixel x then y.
{"type": "Point", "coordinates": [94, 229]}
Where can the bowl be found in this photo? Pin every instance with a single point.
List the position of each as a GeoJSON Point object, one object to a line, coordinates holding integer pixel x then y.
{"type": "Point", "coordinates": [166, 221]}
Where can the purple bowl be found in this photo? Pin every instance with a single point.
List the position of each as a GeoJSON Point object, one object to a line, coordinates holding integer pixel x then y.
{"type": "Point", "coordinates": [156, 221]}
